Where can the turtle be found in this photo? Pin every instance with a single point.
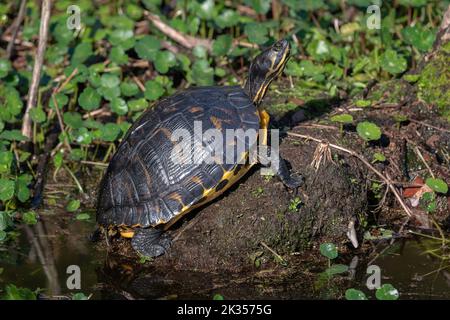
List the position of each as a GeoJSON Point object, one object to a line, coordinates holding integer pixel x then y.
{"type": "Point", "coordinates": [144, 189]}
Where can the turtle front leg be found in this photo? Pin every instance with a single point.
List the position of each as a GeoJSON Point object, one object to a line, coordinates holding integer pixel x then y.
{"type": "Point", "coordinates": [292, 181]}
{"type": "Point", "coordinates": [150, 242]}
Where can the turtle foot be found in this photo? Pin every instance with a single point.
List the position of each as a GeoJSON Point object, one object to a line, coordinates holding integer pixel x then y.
{"type": "Point", "coordinates": [150, 242]}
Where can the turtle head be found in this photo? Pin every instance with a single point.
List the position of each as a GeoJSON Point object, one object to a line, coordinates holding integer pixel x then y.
{"type": "Point", "coordinates": [264, 68]}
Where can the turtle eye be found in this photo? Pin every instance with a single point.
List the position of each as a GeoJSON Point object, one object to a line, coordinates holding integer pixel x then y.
{"type": "Point", "coordinates": [277, 46]}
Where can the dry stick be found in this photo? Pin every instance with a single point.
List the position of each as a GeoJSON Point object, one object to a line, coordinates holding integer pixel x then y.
{"type": "Point", "coordinates": [386, 179]}
{"type": "Point", "coordinates": [416, 149]}
{"type": "Point", "coordinates": [186, 41]}
{"type": "Point", "coordinates": [280, 258]}
{"type": "Point", "coordinates": [139, 83]}
{"type": "Point", "coordinates": [429, 125]}
{"type": "Point", "coordinates": [15, 28]}
{"type": "Point", "coordinates": [38, 61]}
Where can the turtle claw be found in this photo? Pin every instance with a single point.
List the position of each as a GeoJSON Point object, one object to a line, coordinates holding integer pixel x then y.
{"type": "Point", "coordinates": [150, 242]}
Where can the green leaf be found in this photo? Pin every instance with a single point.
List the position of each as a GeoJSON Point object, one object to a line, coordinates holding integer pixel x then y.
{"type": "Point", "coordinates": [14, 293]}
{"type": "Point", "coordinates": [329, 250]}
{"type": "Point", "coordinates": [260, 6]}
{"type": "Point", "coordinates": [73, 119]}
{"type": "Point", "coordinates": [73, 205]}
{"type": "Point", "coordinates": [109, 80]}
{"type": "Point", "coordinates": [61, 100]}
{"type": "Point", "coordinates": [379, 157]}
{"type": "Point", "coordinates": [135, 12]}
{"type": "Point", "coordinates": [3, 235]}
{"type": "Point", "coordinates": [418, 37]}
{"type": "Point", "coordinates": [218, 297]}
{"type": "Point", "coordinates": [228, 18]}
{"type": "Point", "coordinates": [76, 154]}
{"type": "Point", "coordinates": [110, 132]}
{"type": "Point", "coordinates": [353, 294]}
{"type": "Point", "coordinates": [368, 131]}
{"type": "Point", "coordinates": [5, 221]}
{"type": "Point", "coordinates": [147, 47]}
{"type": "Point", "coordinates": [119, 106]}
{"type": "Point", "coordinates": [336, 269]}
{"type": "Point", "coordinates": [83, 216]}
{"type": "Point", "coordinates": [81, 53]}
{"type": "Point", "coordinates": [202, 73]}
{"type": "Point", "coordinates": [137, 104]}
{"type": "Point", "coordinates": [80, 296]}
{"type": "Point", "coordinates": [6, 158]}
{"type": "Point", "coordinates": [342, 118]}
{"type": "Point", "coordinates": [82, 136]}
{"type": "Point", "coordinates": [307, 5]}
{"type": "Point", "coordinates": [200, 52]}
{"type": "Point", "coordinates": [123, 38]}
{"type": "Point", "coordinates": [363, 103]}
{"type": "Point", "coordinates": [393, 62]}
{"type": "Point", "coordinates": [13, 135]}
{"type": "Point", "coordinates": [129, 88]}
{"type": "Point", "coordinates": [206, 10]}
{"type": "Point", "coordinates": [89, 99]}
{"type": "Point", "coordinates": [38, 115]}
{"type": "Point", "coordinates": [5, 67]}
{"type": "Point", "coordinates": [29, 217]}
{"type": "Point", "coordinates": [164, 60]}
{"type": "Point", "coordinates": [6, 189]}
{"type": "Point", "coordinates": [387, 292]}
{"type": "Point", "coordinates": [22, 189]}
{"type": "Point", "coordinates": [411, 78]}
{"type": "Point", "coordinates": [58, 160]}
{"type": "Point", "coordinates": [118, 56]}
{"type": "Point", "coordinates": [256, 33]}
{"type": "Point", "coordinates": [222, 45]}
{"type": "Point", "coordinates": [109, 93]}
{"type": "Point", "coordinates": [153, 90]}
{"type": "Point", "coordinates": [413, 3]}
{"type": "Point", "coordinates": [438, 185]}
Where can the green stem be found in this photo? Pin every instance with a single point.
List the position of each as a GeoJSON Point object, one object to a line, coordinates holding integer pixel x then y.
{"type": "Point", "coordinates": [80, 188]}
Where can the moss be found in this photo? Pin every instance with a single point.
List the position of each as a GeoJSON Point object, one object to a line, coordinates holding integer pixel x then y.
{"type": "Point", "coordinates": [393, 91]}
{"type": "Point", "coordinates": [282, 101]}
{"type": "Point", "coordinates": [434, 83]}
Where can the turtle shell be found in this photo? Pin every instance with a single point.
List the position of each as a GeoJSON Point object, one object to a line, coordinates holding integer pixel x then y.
{"type": "Point", "coordinates": [144, 186]}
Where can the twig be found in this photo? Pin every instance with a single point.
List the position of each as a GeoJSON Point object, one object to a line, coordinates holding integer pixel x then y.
{"type": "Point", "coordinates": [416, 149]}
{"type": "Point", "coordinates": [429, 125]}
{"type": "Point", "coordinates": [386, 178]}
{"type": "Point", "coordinates": [38, 61]}
{"type": "Point", "coordinates": [102, 111]}
{"type": "Point", "coordinates": [186, 41]}
{"type": "Point", "coordinates": [280, 258]}
{"type": "Point", "coordinates": [93, 163]}
{"type": "Point", "coordinates": [139, 83]}
{"type": "Point", "coordinates": [15, 28]}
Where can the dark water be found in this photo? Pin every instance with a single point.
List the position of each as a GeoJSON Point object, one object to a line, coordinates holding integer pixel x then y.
{"type": "Point", "coordinates": [41, 255]}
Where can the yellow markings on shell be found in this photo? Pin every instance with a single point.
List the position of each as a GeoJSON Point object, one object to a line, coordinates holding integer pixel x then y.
{"type": "Point", "coordinates": [216, 122]}
{"type": "Point", "coordinates": [210, 193]}
{"type": "Point", "coordinates": [127, 234]}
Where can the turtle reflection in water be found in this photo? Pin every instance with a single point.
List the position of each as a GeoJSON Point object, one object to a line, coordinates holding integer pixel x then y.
{"type": "Point", "coordinates": [143, 191]}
